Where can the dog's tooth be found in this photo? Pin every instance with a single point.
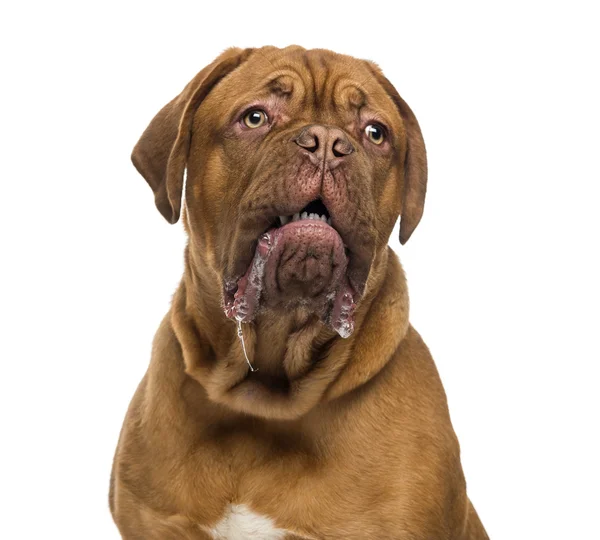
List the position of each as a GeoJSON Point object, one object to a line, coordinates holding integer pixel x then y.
{"type": "Point", "coordinates": [329, 221]}
{"type": "Point", "coordinates": [314, 216]}
{"type": "Point", "coordinates": [304, 215]}
{"type": "Point", "coordinates": [296, 217]}
{"type": "Point", "coordinates": [323, 218]}
{"type": "Point", "coordinates": [284, 219]}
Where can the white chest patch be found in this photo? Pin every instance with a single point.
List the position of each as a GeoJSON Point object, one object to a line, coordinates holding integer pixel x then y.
{"type": "Point", "coordinates": [240, 523]}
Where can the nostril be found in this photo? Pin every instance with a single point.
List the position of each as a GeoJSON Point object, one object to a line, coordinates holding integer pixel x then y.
{"type": "Point", "coordinates": [315, 145]}
{"type": "Point", "coordinates": [337, 153]}
{"type": "Point", "coordinates": [308, 141]}
{"type": "Point", "coordinates": [342, 147]}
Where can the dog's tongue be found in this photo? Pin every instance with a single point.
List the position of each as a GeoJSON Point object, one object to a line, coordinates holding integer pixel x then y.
{"type": "Point", "coordinates": [335, 304]}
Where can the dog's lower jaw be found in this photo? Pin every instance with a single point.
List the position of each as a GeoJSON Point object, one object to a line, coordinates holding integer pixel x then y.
{"type": "Point", "coordinates": [242, 297]}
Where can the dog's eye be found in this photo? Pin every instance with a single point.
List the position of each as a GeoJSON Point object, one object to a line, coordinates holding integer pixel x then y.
{"type": "Point", "coordinates": [255, 118]}
{"type": "Point", "coordinates": [375, 133]}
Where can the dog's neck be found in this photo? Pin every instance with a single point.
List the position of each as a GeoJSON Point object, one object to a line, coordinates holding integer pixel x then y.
{"type": "Point", "coordinates": [298, 360]}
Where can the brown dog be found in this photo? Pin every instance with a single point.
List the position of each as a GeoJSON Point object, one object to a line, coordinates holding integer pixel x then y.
{"type": "Point", "coordinates": [327, 420]}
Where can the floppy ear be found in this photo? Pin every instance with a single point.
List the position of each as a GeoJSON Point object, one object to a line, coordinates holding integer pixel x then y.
{"type": "Point", "coordinates": [415, 162]}
{"type": "Point", "coordinates": [160, 155]}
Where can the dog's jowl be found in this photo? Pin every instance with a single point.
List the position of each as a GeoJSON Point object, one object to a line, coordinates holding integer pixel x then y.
{"type": "Point", "coordinates": [288, 396]}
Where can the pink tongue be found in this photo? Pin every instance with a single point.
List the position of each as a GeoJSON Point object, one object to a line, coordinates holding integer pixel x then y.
{"type": "Point", "coordinates": [245, 302]}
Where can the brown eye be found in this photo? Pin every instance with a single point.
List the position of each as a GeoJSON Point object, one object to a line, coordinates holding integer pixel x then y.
{"type": "Point", "coordinates": [375, 133]}
{"type": "Point", "coordinates": [255, 118]}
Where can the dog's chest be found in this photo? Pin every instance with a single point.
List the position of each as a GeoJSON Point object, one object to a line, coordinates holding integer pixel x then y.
{"type": "Point", "coordinates": [241, 523]}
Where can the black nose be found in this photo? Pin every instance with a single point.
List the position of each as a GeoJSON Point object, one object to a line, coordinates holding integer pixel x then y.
{"type": "Point", "coordinates": [326, 144]}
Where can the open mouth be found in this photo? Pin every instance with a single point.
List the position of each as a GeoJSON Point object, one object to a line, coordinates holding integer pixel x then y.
{"type": "Point", "coordinates": [313, 210]}
{"type": "Point", "coordinates": [299, 261]}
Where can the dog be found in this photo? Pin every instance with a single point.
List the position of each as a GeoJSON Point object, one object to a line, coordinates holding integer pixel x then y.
{"type": "Point", "coordinates": [288, 397]}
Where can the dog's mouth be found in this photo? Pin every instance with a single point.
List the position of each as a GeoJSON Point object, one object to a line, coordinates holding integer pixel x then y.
{"type": "Point", "coordinates": [313, 210]}
{"type": "Point", "coordinates": [299, 261]}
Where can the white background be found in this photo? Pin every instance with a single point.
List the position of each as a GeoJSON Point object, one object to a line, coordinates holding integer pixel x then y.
{"type": "Point", "coordinates": [503, 270]}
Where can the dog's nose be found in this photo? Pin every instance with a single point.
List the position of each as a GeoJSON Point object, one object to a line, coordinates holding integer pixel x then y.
{"type": "Point", "coordinates": [325, 143]}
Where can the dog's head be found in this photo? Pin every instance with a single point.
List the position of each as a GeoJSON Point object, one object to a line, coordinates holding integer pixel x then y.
{"type": "Point", "coordinates": [299, 163]}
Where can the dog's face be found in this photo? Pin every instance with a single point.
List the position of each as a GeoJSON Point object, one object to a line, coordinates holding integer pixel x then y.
{"type": "Point", "coordinates": [299, 163]}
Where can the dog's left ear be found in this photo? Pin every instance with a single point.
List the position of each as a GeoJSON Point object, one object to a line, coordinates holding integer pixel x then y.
{"type": "Point", "coordinates": [415, 161]}
{"type": "Point", "coordinates": [160, 155]}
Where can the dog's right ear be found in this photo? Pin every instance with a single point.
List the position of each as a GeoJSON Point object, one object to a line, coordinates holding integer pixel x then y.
{"type": "Point", "coordinates": [415, 161]}
{"type": "Point", "coordinates": [160, 155]}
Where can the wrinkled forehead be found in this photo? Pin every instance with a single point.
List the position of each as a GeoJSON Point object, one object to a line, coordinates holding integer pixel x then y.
{"type": "Point", "coordinates": [315, 79]}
